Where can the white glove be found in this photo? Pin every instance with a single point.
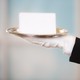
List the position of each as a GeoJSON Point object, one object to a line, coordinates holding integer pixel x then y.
{"type": "Point", "coordinates": [66, 42]}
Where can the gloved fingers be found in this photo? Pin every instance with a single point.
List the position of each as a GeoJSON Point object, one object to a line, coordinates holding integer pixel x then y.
{"type": "Point", "coordinates": [43, 44]}
{"type": "Point", "coordinates": [50, 45]}
{"type": "Point", "coordinates": [46, 44]}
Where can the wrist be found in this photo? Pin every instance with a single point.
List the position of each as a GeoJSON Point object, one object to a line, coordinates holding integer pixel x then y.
{"type": "Point", "coordinates": [69, 42]}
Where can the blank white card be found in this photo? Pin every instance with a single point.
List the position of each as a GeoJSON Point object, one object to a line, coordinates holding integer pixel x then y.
{"type": "Point", "coordinates": [37, 23]}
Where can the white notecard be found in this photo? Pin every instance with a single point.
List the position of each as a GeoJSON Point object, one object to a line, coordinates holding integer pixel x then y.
{"type": "Point", "coordinates": [37, 23]}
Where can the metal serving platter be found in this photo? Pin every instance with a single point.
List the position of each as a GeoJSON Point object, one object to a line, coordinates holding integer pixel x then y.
{"type": "Point", "coordinates": [59, 32]}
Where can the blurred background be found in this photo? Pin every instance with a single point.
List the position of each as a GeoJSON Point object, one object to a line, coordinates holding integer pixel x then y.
{"type": "Point", "coordinates": [20, 60]}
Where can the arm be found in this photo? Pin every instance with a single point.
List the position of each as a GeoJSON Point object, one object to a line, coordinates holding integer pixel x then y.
{"type": "Point", "coordinates": [69, 44]}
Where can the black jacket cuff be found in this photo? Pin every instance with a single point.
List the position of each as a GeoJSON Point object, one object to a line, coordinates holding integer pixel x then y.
{"type": "Point", "coordinates": [75, 55]}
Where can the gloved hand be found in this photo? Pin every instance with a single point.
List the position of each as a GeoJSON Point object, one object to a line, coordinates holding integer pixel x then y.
{"type": "Point", "coordinates": [65, 42]}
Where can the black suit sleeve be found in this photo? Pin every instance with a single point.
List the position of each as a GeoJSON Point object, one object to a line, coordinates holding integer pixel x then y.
{"type": "Point", "coordinates": [75, 55]}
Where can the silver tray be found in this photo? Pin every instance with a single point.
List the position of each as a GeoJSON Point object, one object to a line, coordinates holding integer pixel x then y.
{"type": "Point", "coordinates": [59, 32]}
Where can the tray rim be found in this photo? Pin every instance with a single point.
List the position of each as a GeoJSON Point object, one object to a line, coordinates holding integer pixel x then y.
{"type": "Point", "coordinates": [15, 32]}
